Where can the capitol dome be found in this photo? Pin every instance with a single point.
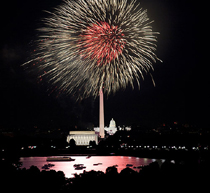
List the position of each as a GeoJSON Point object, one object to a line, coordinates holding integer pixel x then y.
{"type": "Point", "coordinates": [112, 124]}
{"type": "Point", "coordinates": [111, 130]}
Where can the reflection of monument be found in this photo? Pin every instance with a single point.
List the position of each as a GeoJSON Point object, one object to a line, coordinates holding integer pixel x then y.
{"type": "Point", "coordinates": [82, 137]}
{"type": "Point", "coordinates": [110, 130]}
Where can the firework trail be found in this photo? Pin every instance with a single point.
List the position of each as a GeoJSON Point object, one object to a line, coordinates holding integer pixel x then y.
{"type": "Point", "coordinates": [87, 45]}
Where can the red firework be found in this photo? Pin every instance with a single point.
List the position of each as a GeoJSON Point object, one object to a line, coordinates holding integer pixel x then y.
{"type": "Point", "coordinates": [102, 42]}
{"type": "Point", "coordinates": [87, 45]}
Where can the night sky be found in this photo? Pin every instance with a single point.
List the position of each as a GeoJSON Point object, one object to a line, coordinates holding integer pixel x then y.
{"type": "Point", "coordinates": [181, 93]}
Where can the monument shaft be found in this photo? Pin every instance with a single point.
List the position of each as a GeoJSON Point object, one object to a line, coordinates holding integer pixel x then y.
{"type": "Point", "coordinates": [101, 114]}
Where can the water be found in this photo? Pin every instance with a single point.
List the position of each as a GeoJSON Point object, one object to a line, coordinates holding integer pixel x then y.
{"type": "Point", "coordinates": [68, 166]}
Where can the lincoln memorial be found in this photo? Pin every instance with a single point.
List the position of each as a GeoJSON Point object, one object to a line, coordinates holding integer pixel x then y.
{"type": "Point", "coordinates": [82, 137]}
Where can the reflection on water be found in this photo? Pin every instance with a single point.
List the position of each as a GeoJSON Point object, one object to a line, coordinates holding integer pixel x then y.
{"type": "Point", "coordinates": [90, 163]}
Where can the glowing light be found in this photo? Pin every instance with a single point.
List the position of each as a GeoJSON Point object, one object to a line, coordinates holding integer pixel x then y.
{"type": "Point", "coordinates": [101, 41]}
{"type": "Point", "coordinates": [85, 46]}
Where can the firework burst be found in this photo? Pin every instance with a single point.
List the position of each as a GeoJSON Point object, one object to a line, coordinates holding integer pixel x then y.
{"type": "Point", "coordinates": [88, 45]}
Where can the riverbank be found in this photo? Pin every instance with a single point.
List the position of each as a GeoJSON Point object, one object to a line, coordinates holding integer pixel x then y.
{"type": "Point", "coordinates": [141, 152]}
{"type": "Point", "coordinates": [99, 163]}
{"type": "Point", "coordinates": [184, 175]}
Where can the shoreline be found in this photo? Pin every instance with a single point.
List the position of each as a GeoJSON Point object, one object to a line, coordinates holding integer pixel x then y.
{"type": "Point", "coordinates": [152, 154]}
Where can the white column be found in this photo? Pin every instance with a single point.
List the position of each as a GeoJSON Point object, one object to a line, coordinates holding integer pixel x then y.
{"type": "Point", "coordinates": [101, 114]}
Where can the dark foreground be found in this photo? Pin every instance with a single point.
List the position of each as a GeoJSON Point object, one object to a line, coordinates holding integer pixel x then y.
{"type": "Point", "coordinates": [181, 175]}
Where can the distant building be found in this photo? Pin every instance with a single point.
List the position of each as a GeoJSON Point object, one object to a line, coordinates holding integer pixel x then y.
{"type": "Point", "coordinates": [125, 128]}
{"type": "Point", "coordinates": [128, 128]}
{"type": "Point", "coordinates": [111, 130]}
{"type": "Point", "coordinates": [82, 138]}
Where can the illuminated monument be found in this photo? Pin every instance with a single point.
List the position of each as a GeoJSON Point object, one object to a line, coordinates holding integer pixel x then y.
{"type": "Point", "coordinates": [101, 114]}
{"type": "Point", "coordinates": [111, 130]}
{"type": "Point", "coordinates": [112, 127]}
{"type": "Point", "coordinates": [82, 138]}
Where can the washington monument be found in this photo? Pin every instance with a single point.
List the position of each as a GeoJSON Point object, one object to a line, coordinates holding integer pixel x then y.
{"type": "Point", "coordinates": [101, 114]}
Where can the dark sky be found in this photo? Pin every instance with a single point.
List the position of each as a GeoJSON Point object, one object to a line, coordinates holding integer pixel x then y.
{"type": "Point", "coordinates": [181, 93]}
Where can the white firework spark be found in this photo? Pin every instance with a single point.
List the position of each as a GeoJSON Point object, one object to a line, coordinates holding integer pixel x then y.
{"type": "Point", "coordinates": [87, 45]}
